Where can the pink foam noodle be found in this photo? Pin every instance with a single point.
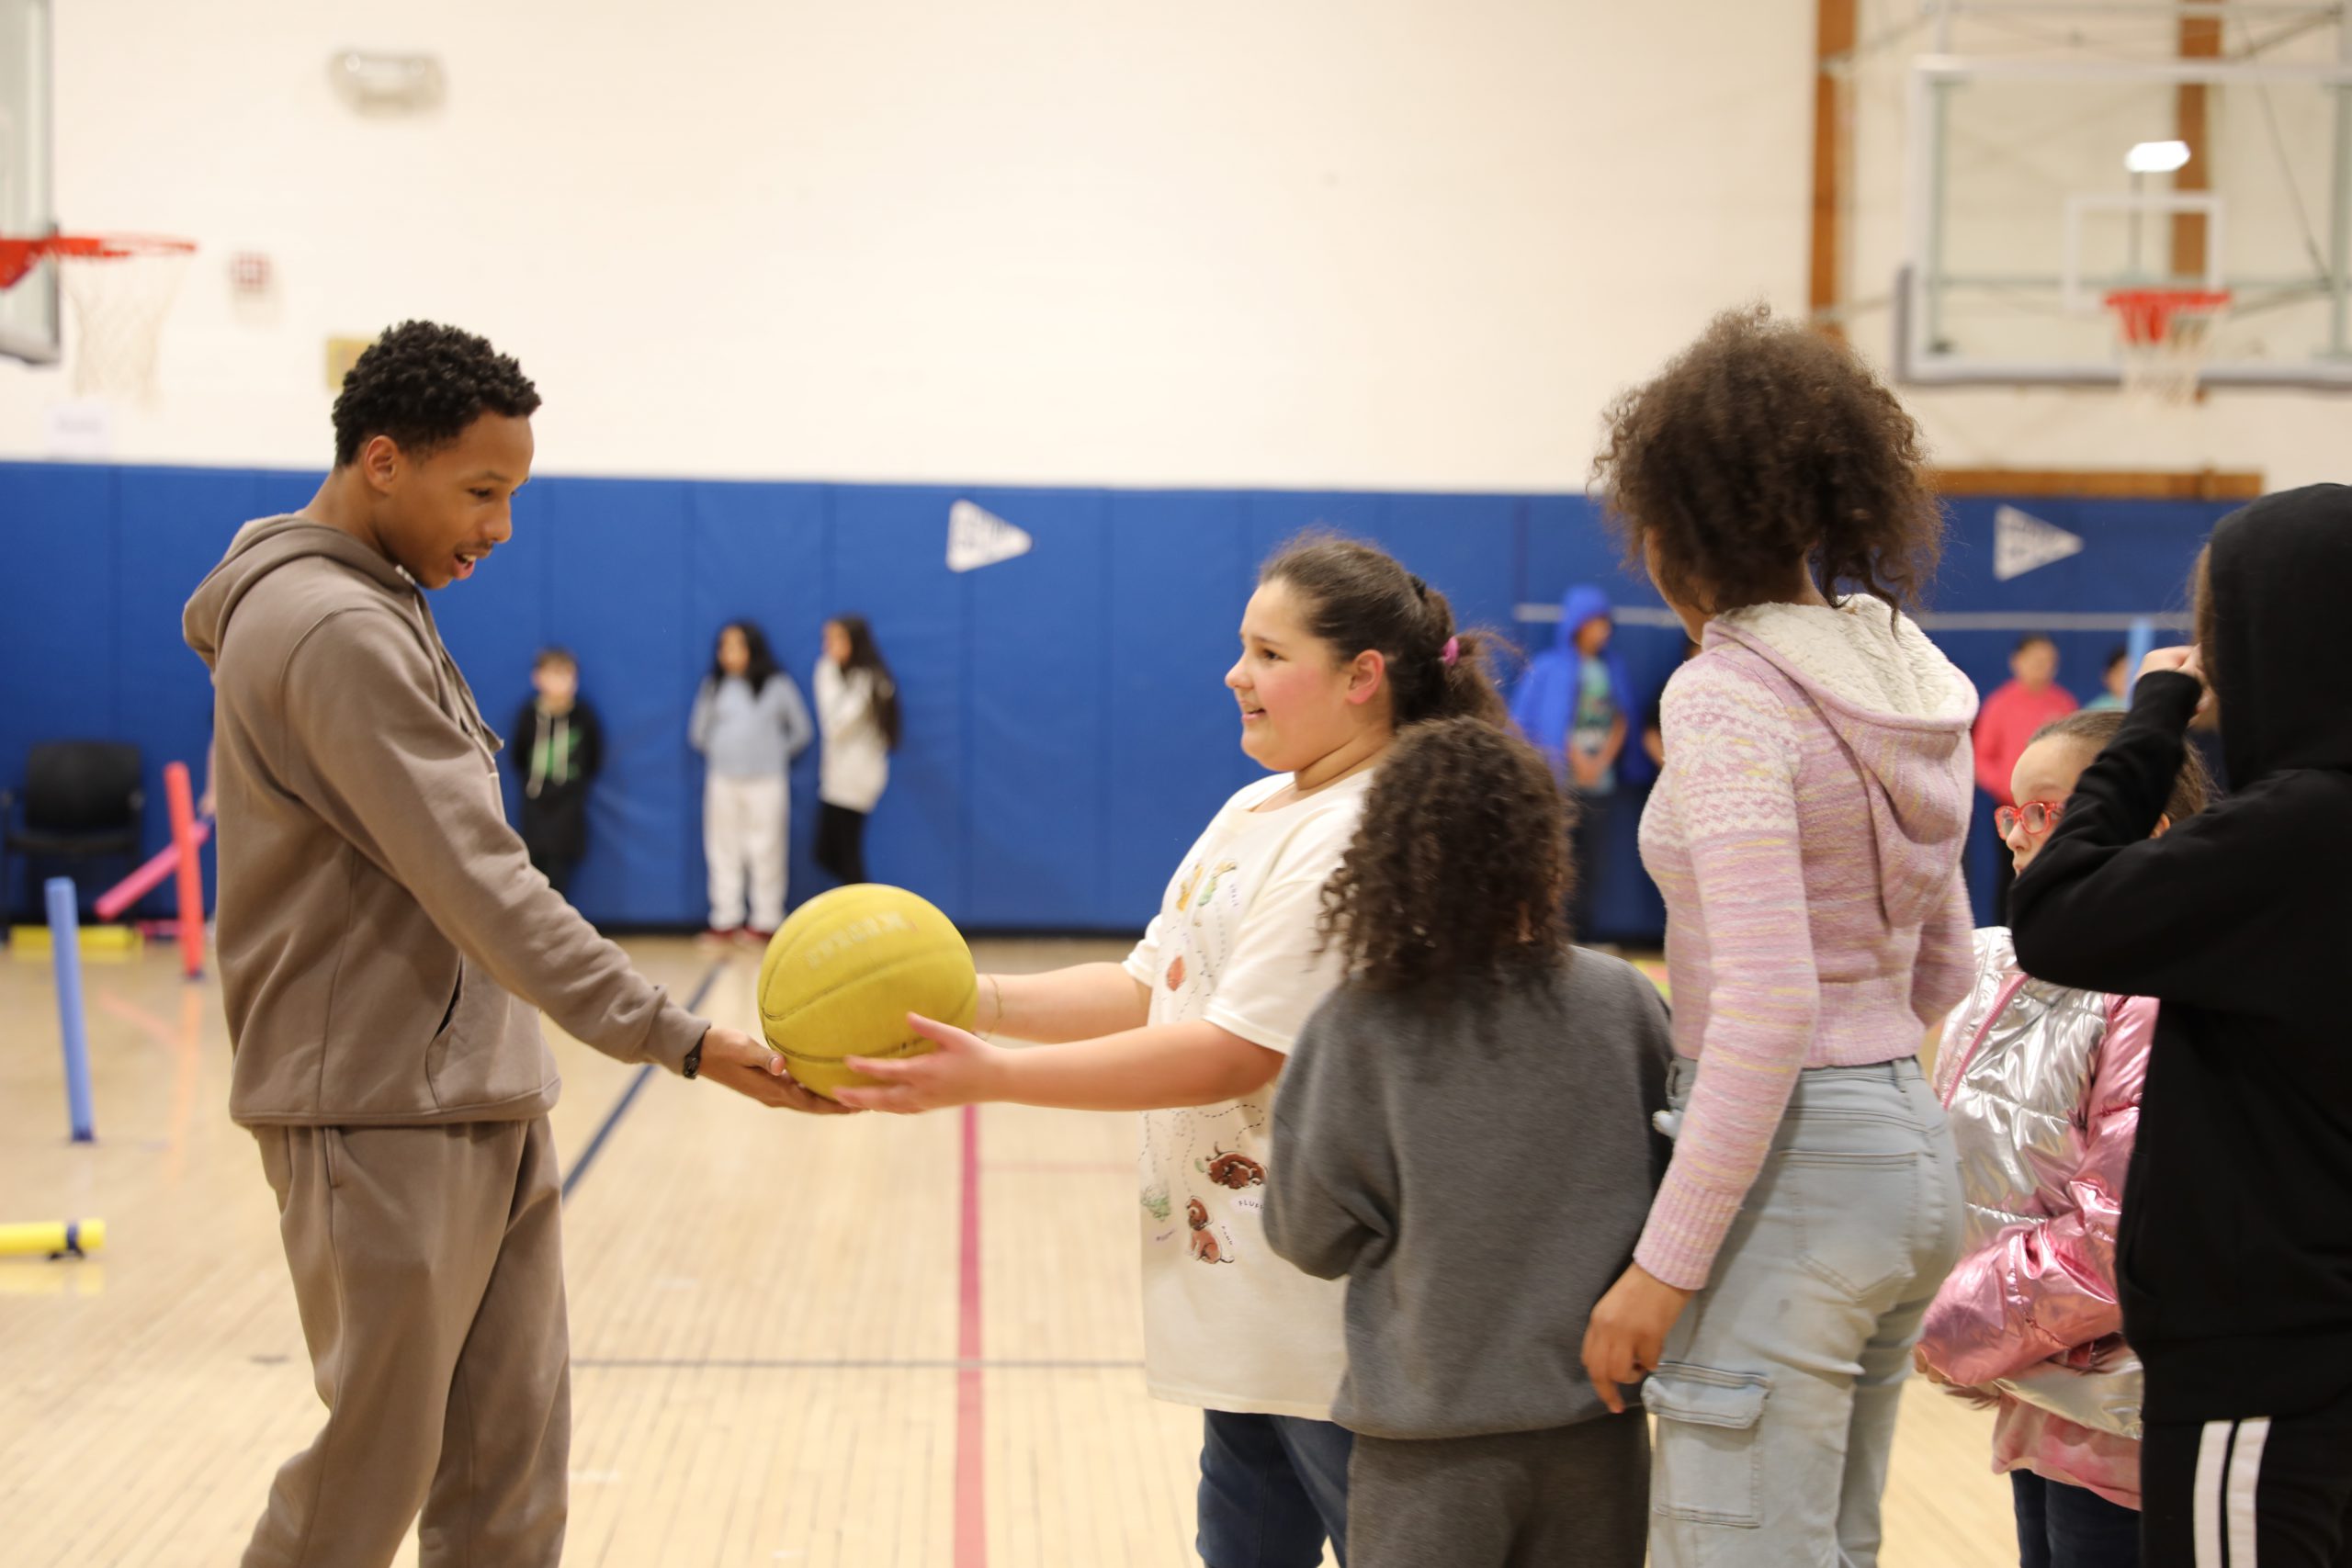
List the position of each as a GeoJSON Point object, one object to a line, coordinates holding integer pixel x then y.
{"type": "Point", "coordinates": [139, 883]}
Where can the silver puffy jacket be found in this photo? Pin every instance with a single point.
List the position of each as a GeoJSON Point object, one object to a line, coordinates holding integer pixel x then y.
{"type": "Point", "coordinates": [2042, 1085]}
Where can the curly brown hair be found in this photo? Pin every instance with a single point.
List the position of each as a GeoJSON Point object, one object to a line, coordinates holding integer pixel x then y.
{"type": "Point", "coordinates": [1358, 597]}
{"type": "Point", "coordinates": [2192, 792]}
{"type": "Point", "coordinates": [1762, 446]}
{"type": "Point", "coordinates": [1459, 869]}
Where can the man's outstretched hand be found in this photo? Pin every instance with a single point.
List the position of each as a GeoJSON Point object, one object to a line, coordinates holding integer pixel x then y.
{"type": "Point", "coordinates": [732, 1058]}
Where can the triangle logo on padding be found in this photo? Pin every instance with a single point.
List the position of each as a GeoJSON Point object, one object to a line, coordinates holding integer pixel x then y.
{"type": "Point", "coordinates": [2023, 543]}
{"type": "Point", "coordinates": [978, 537]}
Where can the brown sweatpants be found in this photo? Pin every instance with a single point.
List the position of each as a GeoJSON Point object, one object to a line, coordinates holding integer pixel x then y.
{"type": "Point", "coordinates": [1571, 1497]}
{"type": "Point", "coordinates": [428, 1266]}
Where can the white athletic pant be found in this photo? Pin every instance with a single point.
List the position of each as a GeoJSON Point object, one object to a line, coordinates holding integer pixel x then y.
{"type": "Point", "coordinates": [744, 823]}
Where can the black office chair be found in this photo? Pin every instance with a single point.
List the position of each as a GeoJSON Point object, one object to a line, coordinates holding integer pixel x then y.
{"type": "Point", "coordinates": [82, 801]}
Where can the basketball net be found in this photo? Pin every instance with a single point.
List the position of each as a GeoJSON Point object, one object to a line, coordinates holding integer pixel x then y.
{"type": "Point", "coordinates": [120, 294]}
{"type": "Point", "coordinates": [2164, 337]}
{"type": "Point", "coordinates": [120, 287]}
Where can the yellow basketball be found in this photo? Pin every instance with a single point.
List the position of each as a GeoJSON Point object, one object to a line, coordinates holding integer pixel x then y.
{"type": "Point", "coordinates": [840, 975]}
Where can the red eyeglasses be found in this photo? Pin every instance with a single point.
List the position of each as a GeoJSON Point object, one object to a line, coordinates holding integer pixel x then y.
{"type": "Point", "coordinates": [2039, 817]}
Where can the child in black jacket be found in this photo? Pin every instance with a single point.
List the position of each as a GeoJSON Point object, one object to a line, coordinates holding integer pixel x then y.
{"type": "Point", "coordinates": [2235, 1256]}
{"type": "Point", "coordinates": [556, 746]}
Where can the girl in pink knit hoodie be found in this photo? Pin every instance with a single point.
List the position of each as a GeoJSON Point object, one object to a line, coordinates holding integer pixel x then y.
{"type": "Point", "coordinates": [1806, 834]}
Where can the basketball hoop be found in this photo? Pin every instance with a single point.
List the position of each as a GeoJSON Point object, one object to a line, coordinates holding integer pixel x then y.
{"type": "Point", "coordinates": [2164, 336]}
{"type": "Point", "coordinates": [120, 287]}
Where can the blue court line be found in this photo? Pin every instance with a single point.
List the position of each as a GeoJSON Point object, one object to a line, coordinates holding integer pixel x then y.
{"type": "Point", "coordinates": [638, 1080]}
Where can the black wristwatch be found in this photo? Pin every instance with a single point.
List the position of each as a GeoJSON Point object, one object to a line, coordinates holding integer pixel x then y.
{"type": "Point", "coordinates": [692, 1063]}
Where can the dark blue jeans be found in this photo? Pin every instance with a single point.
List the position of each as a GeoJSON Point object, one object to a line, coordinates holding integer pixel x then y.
{"type": "Point", "coordinates": [1273, 1488]}
{"type": "Point", "coordinates": [2072, 1526]}
{"type": "Point", "coordinates": [1589, 843]}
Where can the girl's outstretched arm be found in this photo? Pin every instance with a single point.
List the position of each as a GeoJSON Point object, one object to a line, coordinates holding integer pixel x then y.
{"type": "Point", "coordinates": [1081, 1002]}
{"type": "Point", "coordinates": [1152, 1068]}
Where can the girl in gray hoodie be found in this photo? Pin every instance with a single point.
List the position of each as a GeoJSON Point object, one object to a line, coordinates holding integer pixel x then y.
{"type": "Point", "coordinates": [1463, 1133]}
{"type": "Point", "coordinates": [749, 723]}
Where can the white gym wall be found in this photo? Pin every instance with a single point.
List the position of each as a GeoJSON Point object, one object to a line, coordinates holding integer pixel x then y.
{"type": "Point", "coordinates": [1387, 245]}
{"type": "Point", "coordinates": [1320, 242]}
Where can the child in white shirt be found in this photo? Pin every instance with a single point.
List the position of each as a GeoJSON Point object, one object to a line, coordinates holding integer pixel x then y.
{"type": "Point", "coordinates": [1341, 649]}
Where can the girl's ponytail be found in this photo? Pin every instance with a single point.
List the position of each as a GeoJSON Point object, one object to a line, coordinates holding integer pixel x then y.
{"type": "Point", "coordinates": [1358, 597]}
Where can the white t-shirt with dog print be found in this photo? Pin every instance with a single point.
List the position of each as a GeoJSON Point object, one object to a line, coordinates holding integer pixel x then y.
{"type": "Point", "coordinates": [1228, 1325]}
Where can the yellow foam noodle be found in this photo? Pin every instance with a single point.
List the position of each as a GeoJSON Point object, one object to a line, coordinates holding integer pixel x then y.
{"type": "Point", "coordinates": [50, 1238]}
{"type": "Point", "coordinates": [95, 942]}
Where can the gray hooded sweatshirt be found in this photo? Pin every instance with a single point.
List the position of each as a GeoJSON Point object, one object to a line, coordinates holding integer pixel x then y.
{"type": "Point", "coordinates": [1477, 1165]}
{"type": "Point", "coordinates": [385, 945]}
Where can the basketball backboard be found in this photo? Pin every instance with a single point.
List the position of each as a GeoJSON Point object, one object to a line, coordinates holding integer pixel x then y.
{"type": "Point", "coordinates": [28, 311]}
{"type": "Point", "coordinates": [2060, 152]}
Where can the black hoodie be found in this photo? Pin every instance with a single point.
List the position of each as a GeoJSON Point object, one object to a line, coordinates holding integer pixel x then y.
{"type": "Point", "coordinates": [556, 755]}
{"type": "Point", "coordinates": [2235, 1256]}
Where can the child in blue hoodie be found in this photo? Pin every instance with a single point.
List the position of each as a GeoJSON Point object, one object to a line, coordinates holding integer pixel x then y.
{"type": "Point", "coordinates": [1575, 706]}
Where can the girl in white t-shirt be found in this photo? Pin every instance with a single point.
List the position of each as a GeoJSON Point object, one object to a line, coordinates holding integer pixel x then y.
{"type": "Point", "coordinates": [857, 714]}
{"type": "Point", "coordinates": [1341, 648]}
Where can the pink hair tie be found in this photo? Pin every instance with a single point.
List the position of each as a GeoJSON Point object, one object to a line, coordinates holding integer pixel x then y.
{"type": "Point", "coordinates": [1450, 651]}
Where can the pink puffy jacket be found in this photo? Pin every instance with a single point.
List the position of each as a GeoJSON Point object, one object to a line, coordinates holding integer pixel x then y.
{"type": "Point", "coordinates": [2042, 1085]}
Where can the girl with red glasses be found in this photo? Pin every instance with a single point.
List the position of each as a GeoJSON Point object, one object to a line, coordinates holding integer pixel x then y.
{"type": "Point", "coordinates": [2035, 817]}
{"type": "Point", "coordinates": [2041, 1083]}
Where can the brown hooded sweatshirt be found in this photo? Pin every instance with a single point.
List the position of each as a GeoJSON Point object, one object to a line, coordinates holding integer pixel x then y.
{"type": "Point", "coordinates": [385, 945]}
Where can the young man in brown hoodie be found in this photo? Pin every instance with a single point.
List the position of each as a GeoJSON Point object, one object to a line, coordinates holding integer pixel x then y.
{"type": "Point", "coordinates": [386, 951]}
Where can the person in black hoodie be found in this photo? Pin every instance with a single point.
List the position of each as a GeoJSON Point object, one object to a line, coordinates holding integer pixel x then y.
{"type": "Point", "coordinates": [560, 747]}
{"type": "Point", "coordinates": [2235, 1254]}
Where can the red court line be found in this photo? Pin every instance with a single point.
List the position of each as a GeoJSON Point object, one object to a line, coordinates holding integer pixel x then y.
{"type": "Point", "coordinates": [971, 1501]}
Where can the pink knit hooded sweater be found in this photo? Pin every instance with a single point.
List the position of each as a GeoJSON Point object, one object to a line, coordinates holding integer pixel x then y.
{"type": "Point", "coordinates": [1806, 833]}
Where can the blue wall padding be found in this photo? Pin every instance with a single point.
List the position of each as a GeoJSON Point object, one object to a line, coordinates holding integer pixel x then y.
{"type": "Point", "coordinates": [617, 585]}
{"type": "Point", "coordinates": [1174, 757]}
{"type": "Point", "coordinates": [889, 551]}
{"type": "Point", "coordinates": [1068, 732]}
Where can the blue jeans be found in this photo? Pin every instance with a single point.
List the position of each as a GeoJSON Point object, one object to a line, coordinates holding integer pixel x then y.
{"type": "Point", "coordinates": [1273, 1488]}
{"type": "Point", "coordinates": [2072, 1526]}
{"type": "Point", "coordinates": [1589, 843]}
{"type": "Point", "coordinates": [1776, 1393]}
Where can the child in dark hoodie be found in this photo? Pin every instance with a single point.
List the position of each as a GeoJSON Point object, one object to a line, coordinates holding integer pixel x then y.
{"type": "Point", "coordinates": [2234, 1253]}
{"type": "Point", "coordinates": [559, 759]}
{"type": "Point", "coordinates": [385, 951]}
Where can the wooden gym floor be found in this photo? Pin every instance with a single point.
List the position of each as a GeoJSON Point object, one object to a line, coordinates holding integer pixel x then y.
{"type": "Point", "coordinates": [868, 1343]}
